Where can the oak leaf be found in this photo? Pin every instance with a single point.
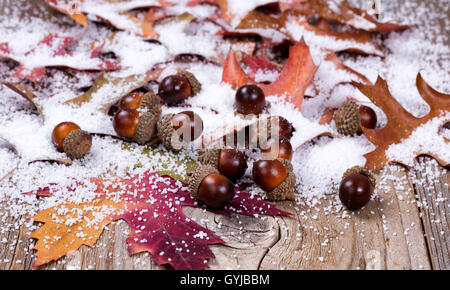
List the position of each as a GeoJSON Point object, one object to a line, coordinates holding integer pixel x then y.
{"type": "Point", "coordinates": [25, 93]}
{"type": "Point", "coordinates": [115, 13]}
{"type": "Point", "coordinates": [54, 51]}
{"type": "Point", "coordinates": [401, 125]}
{"type": "Point", "coordinates": [151, 205]}
{"type": "Point", "coordinates": [291, 85]}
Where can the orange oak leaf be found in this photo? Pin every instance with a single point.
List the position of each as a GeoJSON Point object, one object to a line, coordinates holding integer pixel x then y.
{"type": "Point", "coordinates": [390, 141]}
{"type": "Point", "coordinates": [291, 85]}
{"type": "Point", "coordinates": [111, 12]}
{"type": "Point", "coordinates": [69, 226]}
{"type": "Point", "coordinates": [355, 17]}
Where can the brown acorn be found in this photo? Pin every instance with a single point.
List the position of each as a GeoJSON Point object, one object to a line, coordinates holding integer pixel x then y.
{"type": "Point", "coordinates": [175, 89]}
{"type": "Point", "coordinates": [69, 138]}
{"type": "Point", "coordinates": [349, 118]}
{"type": "Point", "coordinates": [171, 129]}
{"type": "Point", "coordinates": [276, 178]}
{"type": "Point", "coordinates": [137, 117]}
{"type": "Point", "coordinates": [356, 187]}
{"type": "Point", "coordinates": [277, 148]}
{"type": "Point", "coordinates": [209, 186]}
{"type": "Point", "coordinates": [230, 162]}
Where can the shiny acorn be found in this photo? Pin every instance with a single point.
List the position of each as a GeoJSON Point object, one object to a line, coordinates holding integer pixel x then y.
{"type": "Point", "coordinates": [69, 138]}
{"type": "Point", "coordinates": [356, 188]}
{"type": "Point", "coordinates": [230, 162]}
{"type": "Point", "coordinates": [175, 89]}
{"type": "Point", "coordinates": [137, 116]}
{"type": "Point", "coordinates": [250, 99]}
{"type": "Point", "coordinates": [176, 131]}
{"type": "Point", "coordinates": [209, 186]}
{"type": "Point", "coordinates": [275, 177]}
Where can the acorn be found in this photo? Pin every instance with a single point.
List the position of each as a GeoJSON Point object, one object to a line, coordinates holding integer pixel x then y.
{"type": "Point", "coordinates": [279, 147]}
{"type": "Point", "coordinates": [230, 162]}
{"type": "Point", "coordinates": [209, 186]}
{"type": "Point", "coordinates": [250, 99]}
{"type": "Point", "coordinates": [356, 187]}
{"type": "Point", "coordinates": [349, 118]}
{"type": "Point", "coordinates": [368, 118]}
{"type": "Point", "coordinates": [137, 117]}
{"type": "Point", "coordinates": [69, 138]}
{"type": "Point", "coordinates": [175, 89]}
{"type": "Point", "coordinates": [283, 127]}
{"type": "Point", "coordinates": [275, 177]}
{"type": "Point", "coordinates": [176, 131]}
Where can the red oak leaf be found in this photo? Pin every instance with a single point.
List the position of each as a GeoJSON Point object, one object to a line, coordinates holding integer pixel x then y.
{"type": "Point", "coordinates": [151, 205]}
{"type": "Point", "coordinates": [54, 51]}
{"type": "Point", "coordinates": [291, 85]}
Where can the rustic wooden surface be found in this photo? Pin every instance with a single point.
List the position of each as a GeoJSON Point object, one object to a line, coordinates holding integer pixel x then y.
{"type": "Point", "coordinates": [405, 227]}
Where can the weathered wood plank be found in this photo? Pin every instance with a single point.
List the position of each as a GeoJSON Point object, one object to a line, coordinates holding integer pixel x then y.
{"type": "Point", "coordinates": [386, 234]}
{"type": "Point", "coordinates": [432, 185]}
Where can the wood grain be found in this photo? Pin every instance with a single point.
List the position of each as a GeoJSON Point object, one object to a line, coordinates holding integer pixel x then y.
{"type": "Point", "coordinates": [432, 185]}
{"type": "Point", "coordinates": [386, 234]}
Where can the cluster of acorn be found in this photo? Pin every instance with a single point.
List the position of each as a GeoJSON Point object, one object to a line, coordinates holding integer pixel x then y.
{"type": "Point", "coordinates": [357, 183]}
{"type": "Point", "coordinates": [212, 181]}
{"type": "Point", "coordinates": [138, 118]}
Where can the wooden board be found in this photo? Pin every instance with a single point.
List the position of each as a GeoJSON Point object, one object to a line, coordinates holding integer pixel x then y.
{"type": "Point", "coordinates": [391, 232]}
{"type": "Point", "coordinates": [386, 234]}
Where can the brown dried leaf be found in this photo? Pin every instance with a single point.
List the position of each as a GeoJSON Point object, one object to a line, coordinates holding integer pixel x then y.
{"type": "Point", "coordinates": [401, 123]}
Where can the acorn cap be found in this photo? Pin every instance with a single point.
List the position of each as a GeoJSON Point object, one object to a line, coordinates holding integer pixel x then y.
{"type": "Point", "coordinates": [286, 190]}
{"type": "Point", "coordinates": [196, 86]}
{"type": "Point", "coordinates": [360, 170]}
{"type": "Point", "coordinates": [146, 128]}
{"type": "Point", "coordinates": [210, 157]}
{"type": "Point", "coordinates": [151, 102]}
{"type": "Point", "coordinates": [197, 177]}
{"type": "Point", "coordinates": [347, 118]}
{"type": "Point", "coordinates": [77, 144]}
{"type": "Point", "coordinates": [168, 135]}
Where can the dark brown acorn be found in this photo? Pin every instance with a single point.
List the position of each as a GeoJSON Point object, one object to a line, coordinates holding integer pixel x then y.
{"type": "Point", "coordinates": [368, 118]}
{"type": "Point", "coordinates": [285, 128]}
{"type": "Point", "coordinates": [250, 99]}
{"type": "Point", "coordinates": [230, 162]}
{"type": "Point", "coordinates": [349, 118]}
{"type": "Point", "coordinates": [277, 148]}
{"type": "Point", "coordinates": [276, 177]}
{"type": "Point", "coordinates": [173, 127]}
{"type": "Point", "coordinates": [356, 188]}
{"type": "Point", "coordinates": [136, 119]}
{"type": "Point", "coordinates": [175, 89]}
{"type": "Point", "coordinates": [131, 101]}
{"type": "Point", "coordinates": [69, 138]}
{"type": "Point", "coordinates": [268, 174]}
{"type": "Point", "coordinates": [193, 122]}
{"type": "Point", "coordinates": [209, 186]}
